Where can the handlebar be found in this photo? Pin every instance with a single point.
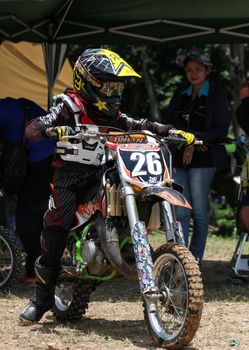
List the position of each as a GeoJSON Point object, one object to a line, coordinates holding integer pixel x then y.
{"type": "Point", "coordinates": [95, 134]}
{"type": "Point", "coordinates": [239, 141]}
{"type": "Point", "coordinates": [177, 139]}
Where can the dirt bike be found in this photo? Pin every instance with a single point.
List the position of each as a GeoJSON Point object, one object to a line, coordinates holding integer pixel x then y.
{"type": "Point", "coordinates": [110, 236]}
{"type": "Point", "coordinates": [240, 170]}
{"type": "Point", "coordinates": [11, 258]}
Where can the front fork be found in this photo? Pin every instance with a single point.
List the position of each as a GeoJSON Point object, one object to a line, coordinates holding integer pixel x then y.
{"type": "Point", "coordinates": [173, 228]}
{"type": "Point", "coordinates": [141, 248]}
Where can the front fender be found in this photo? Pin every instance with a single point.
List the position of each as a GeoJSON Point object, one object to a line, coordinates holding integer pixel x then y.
{"type": "Point", "coordinates": [166, 193]}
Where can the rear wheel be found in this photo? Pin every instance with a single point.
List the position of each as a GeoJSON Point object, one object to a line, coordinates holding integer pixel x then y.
{"type": "Point", "coordinates": [11, 259]}
{"type": "Point", "coordinates": [72, 296]}
{"type": "Point", "coordinates": [179, 309]}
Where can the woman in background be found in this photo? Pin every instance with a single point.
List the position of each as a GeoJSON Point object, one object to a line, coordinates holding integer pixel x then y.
{"type": "Point", "coordinates": [200, 107]}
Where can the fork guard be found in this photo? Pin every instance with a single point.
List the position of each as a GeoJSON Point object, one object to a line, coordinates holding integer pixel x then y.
{"type": "Point", "coordinates": [165, 194]}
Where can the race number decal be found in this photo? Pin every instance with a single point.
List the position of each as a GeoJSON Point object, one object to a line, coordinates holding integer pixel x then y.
{"type": "Point", "coordinates": [147, 166]}
{"type": "Point", "coordinates": [150, 162]}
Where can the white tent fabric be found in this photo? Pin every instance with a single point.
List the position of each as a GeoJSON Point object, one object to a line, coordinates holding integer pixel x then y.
{"type": "Point", "coordinates": [23, 73]}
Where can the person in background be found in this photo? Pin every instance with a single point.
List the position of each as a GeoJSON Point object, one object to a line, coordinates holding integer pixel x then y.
{"type": "Point", "coordinates": [27, 208]}
{"type": "Point", "coordinates": [99, 79]}
{"type": "Point", "coordinates": [200, 107]}
{"type": "Point", "coordinates": [242, 115]}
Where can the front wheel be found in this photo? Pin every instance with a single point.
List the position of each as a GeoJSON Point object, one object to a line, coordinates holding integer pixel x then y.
{"type": "Point", "coordinates": [179, 309]}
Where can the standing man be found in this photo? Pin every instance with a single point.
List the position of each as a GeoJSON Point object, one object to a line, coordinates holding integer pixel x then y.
{"type": "Point", "coordinates": [32, 198]}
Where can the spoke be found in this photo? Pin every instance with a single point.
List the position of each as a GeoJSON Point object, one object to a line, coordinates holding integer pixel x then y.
{"type": "Point", "coordinates": [175, 291]}
{"type": "Point", "coordinates": [2, 273]}
{"type": "Point", "coordinates": [175, 308]}
{"type": "Point", "coordinates": [178, 274]}
{"type": "Point", "coordinates": [167, 275]}
{"type": "Point", "coordinates": [164, 278]}
{"type": "Point", "coordinates": [183, 282]}
{"type": "Point", "coordinates": [173, 278]}
{"type": "Point", "coordinates": [171, 274]}
{"type": "Point", "coordinates": [179, 308]}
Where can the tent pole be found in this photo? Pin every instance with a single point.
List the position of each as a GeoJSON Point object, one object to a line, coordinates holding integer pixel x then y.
{"type": "Point", "coordinates": [54, 58]}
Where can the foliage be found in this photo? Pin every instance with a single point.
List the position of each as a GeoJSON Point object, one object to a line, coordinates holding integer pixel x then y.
{"type": "Point", "coordinates": [149, 97]}
{"type": "Point", "coordinates": [158, 62]}
{"type": "Point", "coordinates": [225, 220]}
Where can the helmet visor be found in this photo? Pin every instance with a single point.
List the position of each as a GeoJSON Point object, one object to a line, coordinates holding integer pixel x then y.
{"type": "Point", "coordinates": [112, 88]}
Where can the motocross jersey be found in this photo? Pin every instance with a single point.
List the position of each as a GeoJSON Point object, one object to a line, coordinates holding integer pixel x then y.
{"type": "Point", "coordinates": [73, 109]}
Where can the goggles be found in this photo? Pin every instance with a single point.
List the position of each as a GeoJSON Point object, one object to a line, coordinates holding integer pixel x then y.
{"type": "Point", "coordinates": [109, 88]}
{"type": "Point", "coordinates": [112, 88]}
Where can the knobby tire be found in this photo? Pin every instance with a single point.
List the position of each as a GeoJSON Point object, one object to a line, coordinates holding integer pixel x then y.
{"type": "Point", "coordinates": [195, 298]}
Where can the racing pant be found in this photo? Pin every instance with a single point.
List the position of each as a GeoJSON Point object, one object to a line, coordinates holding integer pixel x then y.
{"type": "Point", "coordinates": [70, 184]}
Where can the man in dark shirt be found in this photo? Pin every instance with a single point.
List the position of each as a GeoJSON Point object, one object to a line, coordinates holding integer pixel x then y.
{"type": "Point", "coordinates": [31, 200]}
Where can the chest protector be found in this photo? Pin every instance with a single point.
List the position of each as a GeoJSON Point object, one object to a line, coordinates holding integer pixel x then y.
{"type": "Point", "coordinates": [88, 151]}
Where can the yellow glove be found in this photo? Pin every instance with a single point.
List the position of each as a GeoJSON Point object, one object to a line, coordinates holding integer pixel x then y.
{"type": "Point", "coordinates": [190, 138]}
{"type": "Point", "coordinates": [59, 131]}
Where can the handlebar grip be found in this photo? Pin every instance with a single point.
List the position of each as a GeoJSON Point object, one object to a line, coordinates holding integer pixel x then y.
{"type": "Point", "coordinates": [175, 139]}
{"type": "Point", "coordinates": [179, 139]}
{"type": "Point", "coordinates": [53, 135]}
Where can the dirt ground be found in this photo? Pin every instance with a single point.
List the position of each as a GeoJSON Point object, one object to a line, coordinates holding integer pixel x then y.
{"type": "Point", "coordinates": [114, 319]}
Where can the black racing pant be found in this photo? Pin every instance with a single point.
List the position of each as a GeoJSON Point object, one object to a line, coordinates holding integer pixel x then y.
{"type": "Point", "coordinates": [69, 186]}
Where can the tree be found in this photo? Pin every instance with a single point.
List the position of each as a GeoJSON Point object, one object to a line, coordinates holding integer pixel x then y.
{"type": "Point", "coordinates": [150, 96]}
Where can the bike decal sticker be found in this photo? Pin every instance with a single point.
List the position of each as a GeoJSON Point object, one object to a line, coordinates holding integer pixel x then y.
{"type": "Point", "coordinates": [84, 212]}
{"type": "Point", "coordinates": [143, 258]}
{"type": "Point", "coordinates": [178, 233]}
{"type": "Point", "coordinates": [124, 139]}
{"type": "Point", "coordinates": [166, 175]}
{"type": "Point", "coordinates": [174, 197]}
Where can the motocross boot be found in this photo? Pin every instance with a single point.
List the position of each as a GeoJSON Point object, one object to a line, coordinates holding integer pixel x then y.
{"type": "Point", "coordinates": [43, 298]}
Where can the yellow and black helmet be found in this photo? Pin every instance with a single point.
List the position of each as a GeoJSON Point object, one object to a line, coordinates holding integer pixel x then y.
{"type": "Point", "coordinates": [100, 75]}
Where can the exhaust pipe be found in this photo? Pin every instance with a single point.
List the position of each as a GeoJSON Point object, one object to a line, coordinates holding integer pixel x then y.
{"type": "Point", "coordinates": [110, 245]}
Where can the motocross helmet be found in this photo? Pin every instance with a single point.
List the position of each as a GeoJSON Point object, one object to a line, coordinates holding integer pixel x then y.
{"type": "Point", "coordinates": [100, 76]}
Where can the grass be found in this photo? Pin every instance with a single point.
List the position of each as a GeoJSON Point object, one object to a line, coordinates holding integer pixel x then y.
{"type": "Point", "coordinates": [220, 283]}
{"type": "Point", "coordinates": [217, 247]}
{"type": "Point", "coordinates": [220, 248]}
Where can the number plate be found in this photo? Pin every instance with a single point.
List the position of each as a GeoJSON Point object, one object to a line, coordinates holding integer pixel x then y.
{"type": "Point", "coordinates": [142, 164]}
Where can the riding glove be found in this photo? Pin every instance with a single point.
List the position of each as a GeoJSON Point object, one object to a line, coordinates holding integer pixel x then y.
{"type": "Point", "coordinates": [190, 138]}
{"type": "Point", "coordinates": [59, 131]}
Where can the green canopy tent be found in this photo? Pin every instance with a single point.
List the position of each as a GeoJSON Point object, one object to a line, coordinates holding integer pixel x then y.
{"type": "Point", "coordinates": [157, 21]}
{"type": "Point", "coordinates": [59, 22]}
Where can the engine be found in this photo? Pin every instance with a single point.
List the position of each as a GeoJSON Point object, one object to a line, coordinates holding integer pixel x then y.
{"type": "Point", "coordinates": [94, 259]}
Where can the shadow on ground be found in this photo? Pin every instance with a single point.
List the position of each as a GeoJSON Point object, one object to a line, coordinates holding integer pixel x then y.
{"type": "Point", "coordinates": [122, 330]}
{"type": "Point", "coordinates": [220, 283]}
{"type": "Point", "coordinates": [218, 280]}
